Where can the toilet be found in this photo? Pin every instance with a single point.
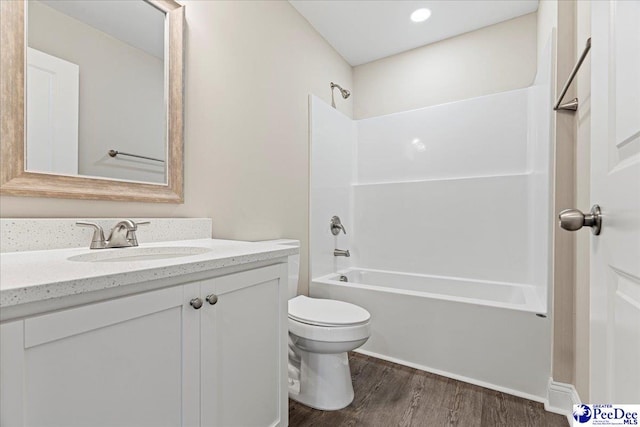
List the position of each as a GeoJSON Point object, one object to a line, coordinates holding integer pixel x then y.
{"type": "Point", "coordinates": [321, 332]}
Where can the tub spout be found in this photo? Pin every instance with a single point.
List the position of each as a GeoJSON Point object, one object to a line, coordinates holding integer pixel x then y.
{"type": "Point", "coordinates": [341, 252]}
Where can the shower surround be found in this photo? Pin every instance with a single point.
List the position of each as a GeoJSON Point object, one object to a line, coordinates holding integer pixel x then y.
{"type": "Point", "coordinates": [448, 220]}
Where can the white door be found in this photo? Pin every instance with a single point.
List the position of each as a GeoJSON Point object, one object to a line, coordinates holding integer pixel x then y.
{"type": "Point", "coordinates": [615, 186]}
{"type": "Point", "coordinates": [52, 114]}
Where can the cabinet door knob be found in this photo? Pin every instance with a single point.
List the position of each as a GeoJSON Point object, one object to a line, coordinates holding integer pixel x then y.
{"type": "Point", "coordinates": [212, 299]}
{"type": "Point", "coordinates": [196, 303]}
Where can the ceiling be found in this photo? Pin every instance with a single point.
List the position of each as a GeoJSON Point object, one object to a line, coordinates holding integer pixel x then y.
{"type": "Point", "coordinates": [363, 31]}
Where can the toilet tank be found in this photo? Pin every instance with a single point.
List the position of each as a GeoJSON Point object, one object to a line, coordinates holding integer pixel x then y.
{"type": "Point", "coordinates": [294, 274]}
{"type": "Point", "coordinates": [294, 265]}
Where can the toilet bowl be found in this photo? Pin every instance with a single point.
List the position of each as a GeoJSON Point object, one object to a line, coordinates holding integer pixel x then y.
{"type": "Point", "coordinates": [321, 332]}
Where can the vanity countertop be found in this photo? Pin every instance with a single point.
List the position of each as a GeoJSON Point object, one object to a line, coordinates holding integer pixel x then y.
{"type": "Point", "coordinates": [34, 276]}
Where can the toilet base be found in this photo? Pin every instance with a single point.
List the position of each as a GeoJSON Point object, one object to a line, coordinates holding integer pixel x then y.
{"type": "Point", "coordinates": [324, 381]}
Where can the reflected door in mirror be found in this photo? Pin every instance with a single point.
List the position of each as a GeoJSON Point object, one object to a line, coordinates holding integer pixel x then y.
{"type": "Point", "coordinates": [52, 111]}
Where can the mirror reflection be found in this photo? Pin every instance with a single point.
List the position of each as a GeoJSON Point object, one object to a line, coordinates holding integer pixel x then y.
{"type": "Point", "coordinates": [95, 89]}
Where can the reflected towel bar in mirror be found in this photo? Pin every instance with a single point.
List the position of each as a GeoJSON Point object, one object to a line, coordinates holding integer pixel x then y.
{"type": "Point", "coordinates": [114, 153]}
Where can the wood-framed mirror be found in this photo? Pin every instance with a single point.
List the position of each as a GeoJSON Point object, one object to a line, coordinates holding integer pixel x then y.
{"type": "Point", "coordinates": [103, 158]}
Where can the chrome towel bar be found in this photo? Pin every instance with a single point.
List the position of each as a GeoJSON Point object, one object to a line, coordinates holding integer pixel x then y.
{"type": "Point", "coordinates": [114, 153]}
{"type": "Point", "coordinates": [573, 104]}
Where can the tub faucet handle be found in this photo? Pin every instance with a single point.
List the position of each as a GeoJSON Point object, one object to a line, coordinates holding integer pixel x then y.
{"type": "Point", "coordinates": [336, 226]}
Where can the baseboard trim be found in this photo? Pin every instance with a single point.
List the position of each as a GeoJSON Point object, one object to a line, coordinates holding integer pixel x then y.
{"type": "Point", "coordinates": [560, 399]}
{"type": "Point", "coordinates": [462, 378]}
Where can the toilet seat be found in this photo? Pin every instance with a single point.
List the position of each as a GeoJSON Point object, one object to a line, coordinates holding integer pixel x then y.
{"type": "Point", "coordinates": [329, 334]}
{"type": "Point", "coordinates": [328, 320]}
{"type": "Point", "coordinates": [326, 312]}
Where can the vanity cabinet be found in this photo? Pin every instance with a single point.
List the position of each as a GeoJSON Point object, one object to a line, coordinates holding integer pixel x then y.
{"type": "Point", "coordinates": [153, 358]}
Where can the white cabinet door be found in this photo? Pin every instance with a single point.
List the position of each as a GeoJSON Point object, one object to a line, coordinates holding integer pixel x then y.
{"type": "Point", "coordinates": [113, 363]}
{"type": "Point", "coordinates": [243, 349]}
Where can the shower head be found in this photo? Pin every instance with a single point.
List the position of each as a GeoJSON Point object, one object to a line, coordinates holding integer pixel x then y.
{"type": "Point", "coordinates": [344, 92]}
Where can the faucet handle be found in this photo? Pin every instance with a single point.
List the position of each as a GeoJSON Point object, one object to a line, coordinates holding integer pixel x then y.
{"type": "Point", "coordinates": [131, 232]}
{"type": "Point", "coordinates": [98, 240]}
{"type": "Point", "coordinates": [132, 225]}
{"type": "Point", "coordinates": [336, 226]}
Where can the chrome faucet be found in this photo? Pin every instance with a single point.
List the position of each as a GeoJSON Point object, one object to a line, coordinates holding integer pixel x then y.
{"type": "Point", "coordinates": [341, 252]}
{"type": "Point", "coordinates": [123, 234]}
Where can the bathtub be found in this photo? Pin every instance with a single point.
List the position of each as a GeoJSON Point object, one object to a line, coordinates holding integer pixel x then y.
{"type": "Point", "coordinates": [491, 334]}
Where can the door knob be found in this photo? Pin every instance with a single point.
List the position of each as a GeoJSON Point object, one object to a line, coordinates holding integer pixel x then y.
{"type": "Point", "coordinates": [196, 303]}
{"type": "Point", "coordinates": [212, 299]}
{"type": "Point", "coordinates": [573, 219]}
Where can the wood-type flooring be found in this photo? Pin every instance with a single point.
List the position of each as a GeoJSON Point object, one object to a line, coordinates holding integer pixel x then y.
{"type": "Point", "coordinates": [390, 395]}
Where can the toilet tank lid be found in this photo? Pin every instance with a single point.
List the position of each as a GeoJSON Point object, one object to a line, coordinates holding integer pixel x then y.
{"type": "Point", "coordinates": [326, 312]}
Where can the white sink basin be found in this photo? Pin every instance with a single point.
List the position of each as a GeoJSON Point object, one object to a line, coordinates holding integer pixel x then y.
{"type": "Point", "coordinates": [138, 254]}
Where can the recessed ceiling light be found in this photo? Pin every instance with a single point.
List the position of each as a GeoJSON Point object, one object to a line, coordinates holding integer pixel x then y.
{"type": "Point", "coordinates": [420, 15]}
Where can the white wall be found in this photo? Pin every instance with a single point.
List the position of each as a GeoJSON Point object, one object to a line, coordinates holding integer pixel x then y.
{"type": "Point", "coordinates": [540, 159]}
{"type": "Point", "coordinates": [250, 66]}
{"type": "Point", "coordinates": [492, 59]}
{"type": "Point", "coordinates": [333, 140]}
{"type": "Point", "coordinates": [121, 95]}
{"type": "Point", "coordinates": [546, 22]}
{"type": "Point", "coordinates": [445, 188]}
{"type": "Point", "coordinates": [470, 228]}
{"type": "Point", "coordinates": [446, 141]}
